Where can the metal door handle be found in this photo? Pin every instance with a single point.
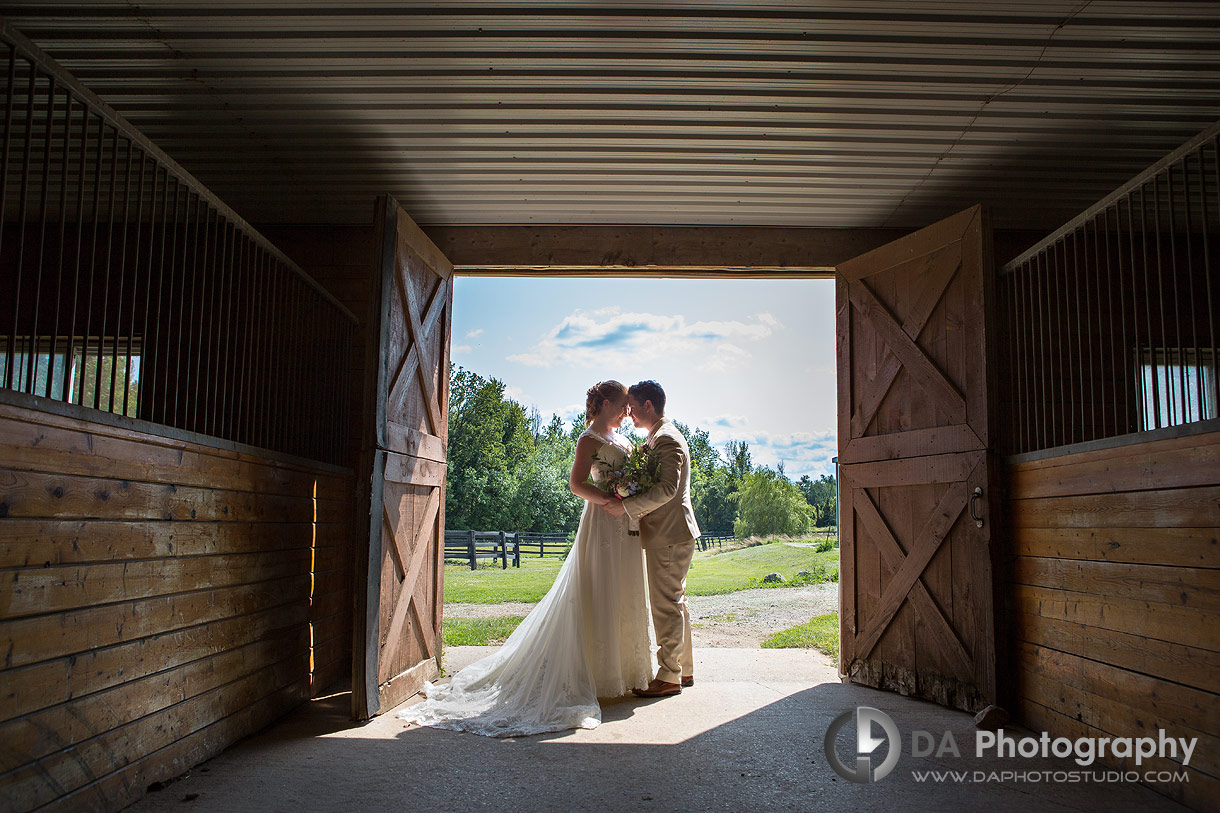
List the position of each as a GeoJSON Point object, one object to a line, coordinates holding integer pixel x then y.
{"type": "Point", "coordinates": [975, 515]}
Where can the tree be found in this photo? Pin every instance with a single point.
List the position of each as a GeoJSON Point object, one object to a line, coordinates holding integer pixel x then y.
{"type": "Point", "coordinates": [712, 495]}
{"type": "Point", "coordinates": [822, 495]}
{"type": "Point", "coordinates": [739, 463]}
{"type": "Point", "coordinates": [702, 453]}
{"type": "Point", "coordinates": [506, 472]}
{"type": "Point", "coordinates": [769, 503]}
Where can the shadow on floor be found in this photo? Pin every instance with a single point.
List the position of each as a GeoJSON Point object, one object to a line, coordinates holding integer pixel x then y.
{"type": "Point", "coordinates": [724, 745]}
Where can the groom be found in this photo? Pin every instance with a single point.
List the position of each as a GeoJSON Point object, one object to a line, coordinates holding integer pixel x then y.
{"type": "Point", "coordinates": [667, 532]}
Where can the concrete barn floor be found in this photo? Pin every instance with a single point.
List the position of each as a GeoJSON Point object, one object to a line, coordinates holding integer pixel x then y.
{"type": "Point", "coordinates": [748, 736]}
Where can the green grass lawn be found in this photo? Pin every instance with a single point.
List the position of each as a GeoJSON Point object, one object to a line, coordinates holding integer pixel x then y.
{"type": "Point", "coordinates": [821, 633]}
{"type": "Point", "coordinates": [491, 585]}
{"type": "Point", "coordinates": [478, 631]}
{"type": "Point", "coordinates": [710, 574]}
{"type": "Point", "coordinates": [742, 569]}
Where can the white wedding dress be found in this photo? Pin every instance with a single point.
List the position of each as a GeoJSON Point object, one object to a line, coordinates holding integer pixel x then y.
{"type": "Point", "coordinates": [587, 638]}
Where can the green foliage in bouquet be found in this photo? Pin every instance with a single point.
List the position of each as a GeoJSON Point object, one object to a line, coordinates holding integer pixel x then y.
{"type": "Point", "coordinates": [637, 474]}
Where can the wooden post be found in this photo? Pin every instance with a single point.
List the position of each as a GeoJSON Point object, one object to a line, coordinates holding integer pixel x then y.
{"type": "Point", "coordinates": [503, 551]}
{"type": "Point", "coordinates": [517, 550]}
{"type": "Point", "coordinates": [470, 550]}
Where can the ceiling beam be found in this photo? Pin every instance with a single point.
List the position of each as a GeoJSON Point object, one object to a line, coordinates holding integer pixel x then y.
{"type": "Point", "coordinates": [670, 251]}
{"type": "Point", "coordinates": [674, 251]}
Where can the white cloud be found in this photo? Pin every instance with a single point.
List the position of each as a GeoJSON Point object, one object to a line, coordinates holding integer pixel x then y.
{"type": "Point", "coordinates": [801, 452]}
{"type": "Point", "coordinates": [474, 333]}
{"type": "Point", "coordinates": [723, 357]}
{"type": "Point", "coordinates": [728, 421]}
{"type": "Point", "coordinates": [609, 337]}
{"type": "Point", "coordinates": [463, 348]}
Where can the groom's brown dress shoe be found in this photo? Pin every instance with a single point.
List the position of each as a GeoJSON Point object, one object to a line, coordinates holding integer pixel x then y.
{"type": "Point", "coordinates": [688, 681]}
{"type": "Point", "coordinates": [659, 688]}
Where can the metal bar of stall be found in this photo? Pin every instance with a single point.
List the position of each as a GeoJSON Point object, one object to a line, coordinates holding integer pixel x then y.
{"type": "Point", "coordinates": [245, 366]}
{"type": "Point", "coordinates": [267, 305]}
{"type": "Point", "coordinates": [44, 192]}
{"type": "Point", "coordinates": [170, 383]}
{"type": "Point", "coordinates": [296, 379]}
{"type": "Point", "coordinates": [97, 206]}
{"type": "Point", "coordinates": [1196, 360]}
{"type": "Point", "coordinates": [1115, 273]}
{"type": "Point", "coordinates": [229, 333]}
{"type": "Point", "coordinates": [1180, 363]}
{"type": "Point", "coordinates": [1156, 410]}
{"type": "Point", "coordinates": [1074, 310]}
{"type": "Point", "coordinates": [277, 394]}
{"type": "Point", "coordinates": [118, 316]}
{"type": "Point", "coordinates": [275, 273]}
{"type": "Point", "coordinates": [207, 318]}
{"type": "Point", "coordinates": [178, 274]}
{"type": "Point", "coordinates": [23, 209]}
{"type": "Point", "coordinates": [10, 352]}
{"type": "Point", "coordinates": [332, 363]}
{"type": "Point", "coordinates": [63, 249]}
{"type": "Point", "coordinates": [1090, 341]}
{"type": "Point", "coordinates": [1042, 288]}
{"type": "Point", "coordinates": [258, 303]}
{"type": "Point", "coordinates": [1006, 298]}
{"type": "Point", "coordinates": [1063, 367]}
{"type": "Point", "coordinates": [223, 255]}
{"type": "Point", "coordinates": [1105, 303]}
{"type": "Point", "coordinates": [1160, 285]}
{"type": "Point", "coordinates": [349, 331]}
{"type": "Point", "coordinates": [1020, 291]}
{"type": "Point", "coordinates": [101, 334]}
{"type": "Point", "coordinates": [156, 384]}
{"type": "Point", "coordinates": [190, 381]}
{"type": "Point", "coordinates": [70, 353]}
{"type": "Point", "coordinates": [135, 291]}
{"type": "Point", "coordinates": [1207, 267]}
{"type": "Point", "coordinates": [1032, 331]}
{"type": "Point", "coordinates": [149, 347]}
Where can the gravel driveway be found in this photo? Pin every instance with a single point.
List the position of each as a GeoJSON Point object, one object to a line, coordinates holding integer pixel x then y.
{"type": "Point", "coordinates": [741, 619]}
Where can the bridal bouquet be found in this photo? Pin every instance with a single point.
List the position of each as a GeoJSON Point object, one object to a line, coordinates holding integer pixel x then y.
{"type": "Point", "coordinates": [637, 474]}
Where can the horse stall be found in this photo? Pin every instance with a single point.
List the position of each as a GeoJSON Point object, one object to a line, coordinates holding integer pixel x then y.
{"type": "Point", "coordinates": [176, 481]}
{"type": "Point", "coordinates": [1112, 442]}
{"type": "Point", "coordinates": [1030, 471]}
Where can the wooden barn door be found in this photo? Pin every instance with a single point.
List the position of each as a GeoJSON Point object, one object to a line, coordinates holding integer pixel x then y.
{"type": "Point", "coordinates": [402, 467]}
{"type": "Point", "coordinates": [916, 580]}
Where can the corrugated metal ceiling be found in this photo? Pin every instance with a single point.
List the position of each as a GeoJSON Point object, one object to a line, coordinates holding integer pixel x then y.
{"type": "Point", "coordinates": [836, 114]}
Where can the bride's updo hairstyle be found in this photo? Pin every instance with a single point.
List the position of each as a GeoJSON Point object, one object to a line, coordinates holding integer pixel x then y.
{"type": "Point", "coordinates": [598, 394]}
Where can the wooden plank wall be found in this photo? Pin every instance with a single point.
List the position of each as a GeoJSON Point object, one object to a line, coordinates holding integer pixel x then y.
{"type": "Point", "coordinates": [1115, 599]}
{"type": "Point", "coordinates": [156, 602]}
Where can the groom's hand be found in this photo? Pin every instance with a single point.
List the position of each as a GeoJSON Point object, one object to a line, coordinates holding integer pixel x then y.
{"type": "Point", "coordinates": [615, 508]}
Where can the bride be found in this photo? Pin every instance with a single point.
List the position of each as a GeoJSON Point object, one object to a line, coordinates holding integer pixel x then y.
{"type": "Point", "coordinates": [587, 638]}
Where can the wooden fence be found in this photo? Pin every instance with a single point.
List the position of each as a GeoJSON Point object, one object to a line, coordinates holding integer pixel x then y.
{"type": "Point", "coordinates": [706, 541]}
{"type": "Point", "coordinates": [471, 546]}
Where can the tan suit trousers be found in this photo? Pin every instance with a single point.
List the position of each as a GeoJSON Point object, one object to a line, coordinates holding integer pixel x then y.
{"type": "Point", "coordinates": [667, 568]}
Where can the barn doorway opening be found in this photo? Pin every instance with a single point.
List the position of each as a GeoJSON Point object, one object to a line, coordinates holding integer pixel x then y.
{"type": "Point", "coordinates": [748, 369]}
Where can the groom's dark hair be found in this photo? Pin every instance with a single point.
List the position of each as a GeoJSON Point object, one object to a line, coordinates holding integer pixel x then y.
{"type": "Point", "coordinates": [649, 391]}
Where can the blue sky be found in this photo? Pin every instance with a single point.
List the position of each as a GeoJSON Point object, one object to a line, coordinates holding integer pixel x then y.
{"type": "Point", "coordinates": [748, 360]}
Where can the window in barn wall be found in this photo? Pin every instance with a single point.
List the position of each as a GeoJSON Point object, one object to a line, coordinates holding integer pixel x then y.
{"type": "Point", "coordinates": [107, 382]}
{"type": "Point", "coordinates": [1176, 386]}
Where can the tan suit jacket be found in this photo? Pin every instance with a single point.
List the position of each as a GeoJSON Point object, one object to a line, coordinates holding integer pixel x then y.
{"type": "Point", "coordinates": [664, 512]}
